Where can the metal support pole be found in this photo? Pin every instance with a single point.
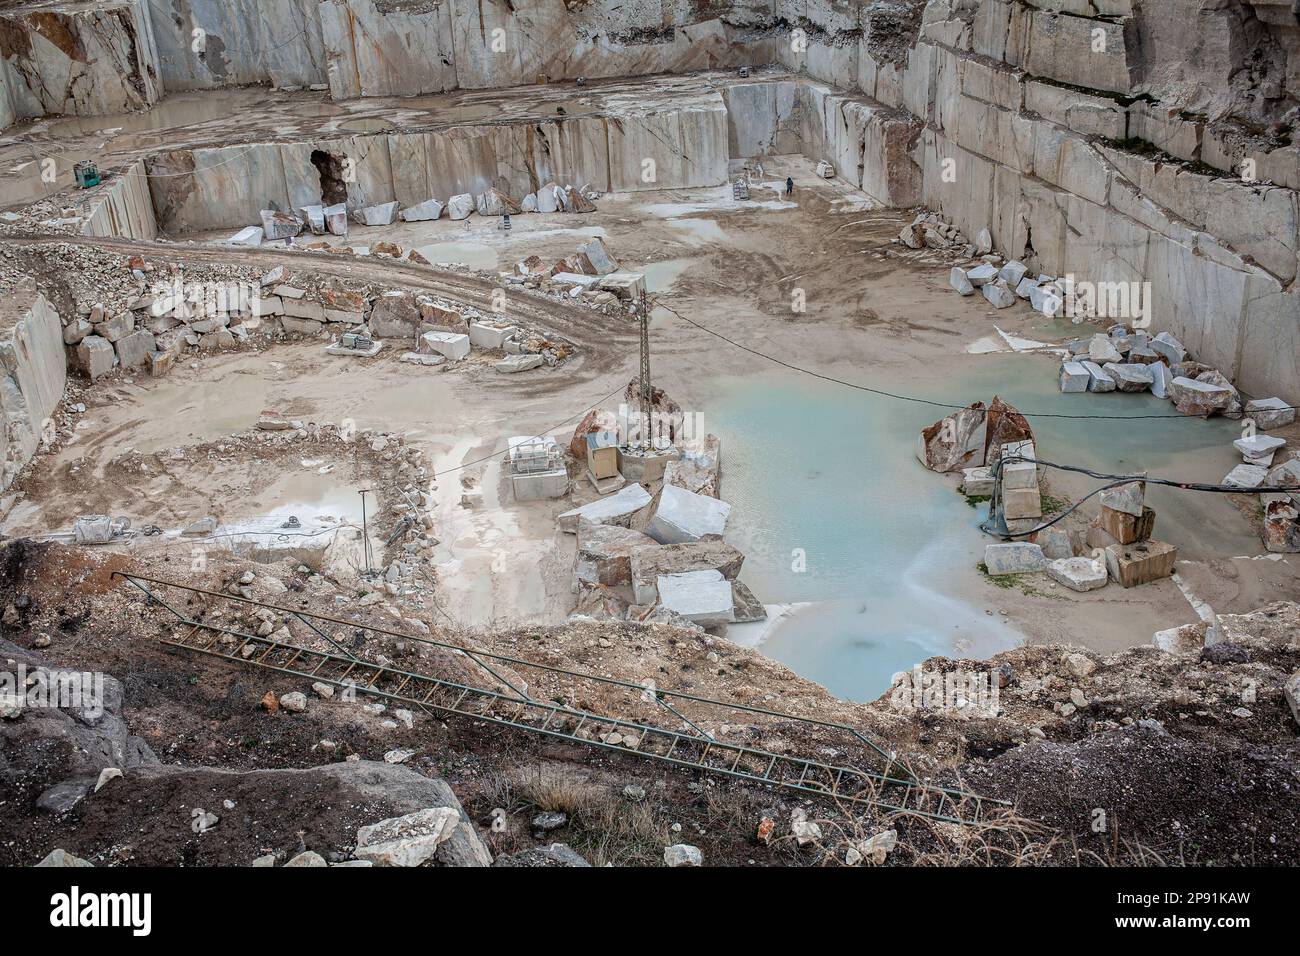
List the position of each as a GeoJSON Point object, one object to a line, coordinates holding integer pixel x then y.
{"type": "Point", "coordinates": [647, 390]}
{"type": "Point", "coordinates": [365, 535]}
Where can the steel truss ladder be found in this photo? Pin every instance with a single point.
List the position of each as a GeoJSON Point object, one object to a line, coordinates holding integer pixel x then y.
{"type": "Point", "coordinates": [682, 742]}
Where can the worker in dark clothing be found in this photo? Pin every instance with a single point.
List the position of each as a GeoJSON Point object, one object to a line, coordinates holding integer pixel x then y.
{"type": "Point", "coordinates": [789, 185]}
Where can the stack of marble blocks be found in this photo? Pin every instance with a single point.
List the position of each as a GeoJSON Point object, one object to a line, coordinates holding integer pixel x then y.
{"type": "Point", "coordinates": [1123, 533]}
{"type": "Point", "coordinates": [1022, 502]}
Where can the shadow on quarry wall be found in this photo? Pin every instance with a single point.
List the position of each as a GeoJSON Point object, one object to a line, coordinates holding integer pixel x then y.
{"type": "Point", "coordinates": [333, 184]}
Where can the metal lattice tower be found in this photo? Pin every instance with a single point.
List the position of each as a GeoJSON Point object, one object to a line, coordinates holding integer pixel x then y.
{"type": "Point", "coordinates": [647, 390]}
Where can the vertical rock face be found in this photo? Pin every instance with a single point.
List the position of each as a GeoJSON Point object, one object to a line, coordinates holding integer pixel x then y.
{"type": "Point", "coordinates": [123, 206]}
{"type": "Point", "coordinates": [84, 60]}
{"type": "Point", "coordinates": [527, 41]}
{"type": "Point", "coordinates": [33, 375]}
{"type": "Point", "coordinates": [7, 111]}
{"type": "Point", "coordinates": [241, 41]}
{"type": "Point", "coordinates": [679, 144]}
{"type": "Point", "coordinates": [388, 47]}
{"type": "Point", "coordinates": [1060, 125]}
{"type": "Point", "coordinates": [406, 47]}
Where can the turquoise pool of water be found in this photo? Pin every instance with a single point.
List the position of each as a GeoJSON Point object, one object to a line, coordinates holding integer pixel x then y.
{"type": "Point", "coordinates": [834, 512]}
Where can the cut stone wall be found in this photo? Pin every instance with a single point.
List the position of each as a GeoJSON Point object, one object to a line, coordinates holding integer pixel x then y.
{"type": "Point", "coordinates": [7, 112]}
{"type": "Point", "coordinates": [278, 42]}
{"type": "Point", "coordinates": [652, 148]}
{"type": "Point", "coordinates": [1058, 125]}
{"type": "Point", "coordinates": [82, 60]}
{"type": "Point", "coordinates": [124, 207]}
{"type": "Point", "coordinates": [408, 47]}
{"type": "Point", "coordinates": [383, 49]}
{"type": "Point", "coordinates": [33, 371]}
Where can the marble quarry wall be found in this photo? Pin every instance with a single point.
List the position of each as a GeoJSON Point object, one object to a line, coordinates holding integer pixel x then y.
{"type": "Point", "coordinates": [33, 372]}
{"type": "Point", "coordinates": [123, 206]}
{"type": "Point", "coordinates": [228, 186]}
{"type": "Point", "coordinates": [406, 47]}
{"type": "Point", "coordinates": [207, 44]}
{"type": "Point", "coordinates": [113, 56]}
{"type": "Point", "coordinates": [77, 59]}
{"type": "Point", "coordinates": [1116, 140]}
{"type": "Point", "coordinates": [688, 140]}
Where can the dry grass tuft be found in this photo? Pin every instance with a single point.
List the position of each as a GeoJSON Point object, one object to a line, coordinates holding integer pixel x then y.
{"type": "Point", "coordinates": [555, 789]}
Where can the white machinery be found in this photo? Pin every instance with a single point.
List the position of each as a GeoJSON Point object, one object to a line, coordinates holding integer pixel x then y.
{"type": "Point", "coordinates": [537, 468]}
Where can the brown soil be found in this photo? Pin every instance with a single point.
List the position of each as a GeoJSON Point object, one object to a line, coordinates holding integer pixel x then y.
{"type": "Point", "coordinates": [1213, 774]}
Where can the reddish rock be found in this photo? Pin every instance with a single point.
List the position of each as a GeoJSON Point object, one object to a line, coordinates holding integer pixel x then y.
{"type": "Point", "coordinates": [1005, 426]}
{"type": "Point", "coordinates": [596, 420]}
{"type": "Point", "coordinates": [575, 201]}
{"type": "Point", "coordinates": [1282, 528]}
{"type": "Point", "coordinates": [344, 301]}
{"type": "Point", "coordinates": [667, 417]}
{"type": "Point", "coordinates": [270, 702]}
{"type": "Point", "coordinates": [532, 266]}
{"type": "Point", "coordinates": [954, 442]}
{"type": "Point", "coordinates": [568, 264]}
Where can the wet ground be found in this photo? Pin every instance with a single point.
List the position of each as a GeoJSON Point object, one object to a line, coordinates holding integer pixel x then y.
{"type": "Point", "coordinates": [890, 548]}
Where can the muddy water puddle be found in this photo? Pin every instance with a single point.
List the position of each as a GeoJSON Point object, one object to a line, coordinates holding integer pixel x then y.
{"type": "Point", "coordinates": [871, 558]}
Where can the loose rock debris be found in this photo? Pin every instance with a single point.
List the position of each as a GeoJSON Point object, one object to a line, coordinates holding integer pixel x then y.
{"type": "Point", "coordinates": [185, 331]}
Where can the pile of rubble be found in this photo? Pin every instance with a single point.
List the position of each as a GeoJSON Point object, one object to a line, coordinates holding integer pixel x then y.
{"type": "Point", "coordinates": [1117, 545]}
{"type": "Point", "coordinates": [1278, 483]}
{"type": "Point", "coordinates": [1000, 281]}
{"type": "Point", "coordinates": [929, 231]}
{"type": "Point", "coordinates": [1131, 360]}
{"type": "Point", "coordinates": [591, 275]}
{"type": "Point", "coordinates": [436, 332]}
{"type": "Point", "coordinates": [654, 550]}
{"type": "Point", "coordinates": [1128, 360]}
{"type": "Point", "coordinates": [614, 292]}
{"type": "Point", "coordinates": [1004, 285]}
{"type": "Point", "coordinates": [319, 220]}
{"type": "Point", "coordinates": [165, 310]}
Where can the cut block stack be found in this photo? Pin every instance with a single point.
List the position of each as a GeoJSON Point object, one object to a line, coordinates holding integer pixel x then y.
{"type": "Point", "coordinates": [1022, 501]}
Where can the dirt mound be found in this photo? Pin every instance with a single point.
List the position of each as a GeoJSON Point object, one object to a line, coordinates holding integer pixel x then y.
{"type": "Point", "coordinates": [1140, 795]}
{"type": "Point", "coordinates": [1180, 754]}
{"type": "Point", "coordinates": [147, 817]}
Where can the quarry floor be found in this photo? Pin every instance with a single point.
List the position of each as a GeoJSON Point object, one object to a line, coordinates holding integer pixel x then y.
{"type": "Point", "coordinates": [875, 314]}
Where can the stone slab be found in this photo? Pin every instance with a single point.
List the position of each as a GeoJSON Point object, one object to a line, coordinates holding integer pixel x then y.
{"type": "Point", "coordinates": [648, 562]}
{"type": "Point", "coordinates": [1074, 377]}
{"type": "Point", "coordinates": [1014, 557]}
{"type": "Point", "coordinates": [451, 345]}
{"type": "Point", "coordinates": [683, 516]}
{"type": "Point", "coordinates": [1078, 574]}
{"type": "Point", "coordinates": [1131, 565]}
{"type": "Point", "coordinates": [702, 597]}
{"type": "Point", "coordinates": [616, 509]}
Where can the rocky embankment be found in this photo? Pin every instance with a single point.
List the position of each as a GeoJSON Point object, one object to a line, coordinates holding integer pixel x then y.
{"type": "Point", "coordinates": [1180, 754]}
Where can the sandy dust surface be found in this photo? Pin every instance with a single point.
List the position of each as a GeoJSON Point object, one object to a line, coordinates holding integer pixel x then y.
{"type": "Point", "coordinates": [874, 313]}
